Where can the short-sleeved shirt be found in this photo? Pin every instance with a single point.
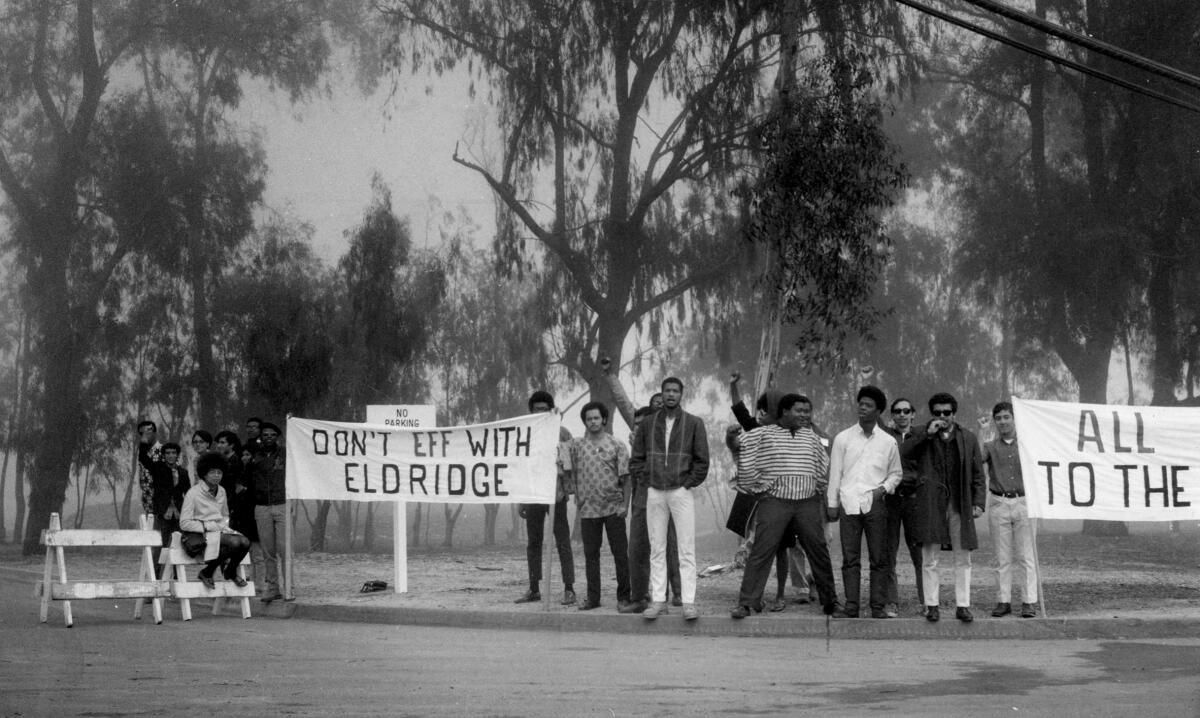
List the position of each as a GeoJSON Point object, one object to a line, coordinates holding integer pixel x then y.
{"type": "Point", "coordinates": [599, 469]}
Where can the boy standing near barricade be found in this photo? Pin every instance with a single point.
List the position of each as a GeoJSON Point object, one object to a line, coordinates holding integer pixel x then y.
{"type": "Point", "coordinates": [599, 468]}
{"type": "Point", "coordinates": [535, 520]}
{"type": "Point", "coordinates": [1007, 516]}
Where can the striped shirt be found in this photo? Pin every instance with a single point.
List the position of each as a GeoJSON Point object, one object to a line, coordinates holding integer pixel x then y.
{"type": "Point", "coordinates": [786, 463]}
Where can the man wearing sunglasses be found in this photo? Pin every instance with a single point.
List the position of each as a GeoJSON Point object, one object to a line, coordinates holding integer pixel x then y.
{"type": "Point", "coordinates": [900, 505]}
{"type": "Point", "coordinates": [950, 494]}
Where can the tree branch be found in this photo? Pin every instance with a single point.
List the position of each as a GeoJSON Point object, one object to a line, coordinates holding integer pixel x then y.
{"type": "Point", "coordinates": [572, 260]}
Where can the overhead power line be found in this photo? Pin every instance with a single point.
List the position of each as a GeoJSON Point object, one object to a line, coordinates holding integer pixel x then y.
{"type": "Point", "coordinates": [1090, 43]}
{"type": "Point", "coordinates": [1051, 57]}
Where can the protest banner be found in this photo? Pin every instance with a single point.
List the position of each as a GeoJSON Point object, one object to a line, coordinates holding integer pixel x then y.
{"type": "Point", "coordinates": [509, 461]}
{"type": "Point", "coordinates": [1111, 463]}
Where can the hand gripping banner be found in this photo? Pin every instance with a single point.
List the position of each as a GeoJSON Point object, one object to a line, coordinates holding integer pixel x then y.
{"type": "Point", "coordinates": [1112, 463]}
{"type": "Point", "coordinates": [509, 461]}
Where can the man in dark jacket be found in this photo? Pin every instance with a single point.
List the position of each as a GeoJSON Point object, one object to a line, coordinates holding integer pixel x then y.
{"type": "Point", "coordinates": [950, 494]}
{"type": "Point", "coordinates": [267, 476]}
{"type": "Point", "coordinates": [670, 458]}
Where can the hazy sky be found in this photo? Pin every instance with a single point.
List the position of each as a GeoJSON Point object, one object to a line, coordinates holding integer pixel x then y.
{"type": "Point", "coordinates": [322, 153]}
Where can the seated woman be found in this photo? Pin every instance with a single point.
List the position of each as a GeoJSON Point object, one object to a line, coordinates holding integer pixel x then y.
{"type": "Point", "coordinates": [205, 509]}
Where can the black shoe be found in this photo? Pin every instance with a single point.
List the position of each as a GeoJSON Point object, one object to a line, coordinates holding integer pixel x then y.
{"type": "Point", "coordinates": [740, 612]}
{"type": "Point", "coordinates": [931, 614]}
{"type": "Point", "coordinates": [237, 581]}
{"type": "Point", "coordinates": [271, 597]}
{"type": "Point", "coordinates": [963, 614]}
{"type": "Point", "coordinates": [529, 597]}
{"type": "Point", "coordinates": [568, 597]}
{"type": "Point", "coordinates": [1028, 610]}
{"type": "Point", "coordinates": [1001, 609]}
{"type": "Point", "coordinates": [207, 581]}
{"type": "Point", "coordinates": [850, 612]}
{"type": "Point", "coordinates": [589, 605]}
{"type": "Point", "coordinates": [632, 607]}
{"type": "Point", "coordinates": [676, 600]}
{"type": "Point", "coordinates": [834, 610]}
{"type": "Point", "coordinates": [880, 613]}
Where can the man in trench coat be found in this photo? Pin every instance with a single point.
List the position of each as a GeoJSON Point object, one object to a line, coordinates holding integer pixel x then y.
{"type": "Point", "coordinates": [950, 493]}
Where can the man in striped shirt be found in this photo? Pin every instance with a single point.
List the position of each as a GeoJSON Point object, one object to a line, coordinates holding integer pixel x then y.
{"type": "Point", "coordinates": [786, 465]}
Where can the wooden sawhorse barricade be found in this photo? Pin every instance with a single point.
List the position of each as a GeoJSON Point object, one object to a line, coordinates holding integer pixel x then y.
{"type": "Point", "coordinates": [175, 562]}
{"type": "Point", "coordinates": [55, 539]}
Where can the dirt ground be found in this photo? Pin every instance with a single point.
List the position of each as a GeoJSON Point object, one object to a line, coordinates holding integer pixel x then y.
{"type": "Point", "coordinates": [1145, 574]}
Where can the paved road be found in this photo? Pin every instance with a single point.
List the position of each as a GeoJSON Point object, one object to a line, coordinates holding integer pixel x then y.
{"type": "Point", "coordinates": [109, 665]}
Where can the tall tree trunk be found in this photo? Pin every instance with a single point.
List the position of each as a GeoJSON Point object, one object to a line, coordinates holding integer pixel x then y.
{"type": "Point", "coordinates": [451, 520]}
{"type": "Point", "coordinates": [490, 513]}
{"type": "Point", "coordinates": [197, 263]}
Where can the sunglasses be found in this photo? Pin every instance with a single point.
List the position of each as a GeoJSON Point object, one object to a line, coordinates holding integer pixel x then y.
{"type": "Point", "coordinates": [943, 413]}
{"type": "Point", "coordinates": [902, 411]}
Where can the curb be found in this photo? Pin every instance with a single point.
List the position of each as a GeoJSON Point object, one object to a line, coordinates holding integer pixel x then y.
{"type": "Point", "coordinates": [765, 627]}
{"type": "Point", "coordinates": [718, 624]}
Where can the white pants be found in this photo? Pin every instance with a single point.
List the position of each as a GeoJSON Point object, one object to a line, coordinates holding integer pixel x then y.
{"type": "Point", "coordinates": [1012, 528]}
{"type": "Point", "coordinates": [930, 577]}
{"type": "Point", "coordinates": [661, 507]}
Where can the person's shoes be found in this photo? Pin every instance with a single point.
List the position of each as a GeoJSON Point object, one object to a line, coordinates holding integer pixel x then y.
{"type": "Point", "coordinates": [632, 607]}
{"type": "Point", "coordinates": [779, 605]}
{"type": "Point", "coordinates": [656, 609]}
{"type": "Point", "coordinates": [932, 614]}
{"type": "Point", "coordinates": [207, 581]}
{"type": "Point", "coordinates": [880, 613]}
{"type": "Point", "coordinates": [758, 607]}
{"type": "Point", "coordinates": [676, 600]}
{"type": "Point", "coordinates": [963, 614]}
{"type": "Point", "coordinates": [271, 596]}
{"type": "Point", "coordinates": [238, 581]}
{"type": "Point", "coordinates": [589, 605]}
{"type": "Point", "coordinates": [802, 600]}
{"type": "Point", "coordinates": [892, 610]}
{"type": "Point", "coordinates": [834, 610]}
{"type": "Point", "coordinates": [568, 597]}
{"type": "Point", "coordinates": [1001, 609]}
{"type": "Point", "coordinates": [529, 597]}
{"type": "Point", "coordinates": [740, 612]}
{"type": "Point", "coordinates": [690, 612]}
{"type": "Point", "coordinates": [1028, 610]}
{"type": "Point", "coordinates": [849, 613]}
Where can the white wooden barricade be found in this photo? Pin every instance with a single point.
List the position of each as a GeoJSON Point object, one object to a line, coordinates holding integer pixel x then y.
{"type": "Point", "coordinates": [175, 562]}
{"type": "Point", "coordinates": [55, 539]}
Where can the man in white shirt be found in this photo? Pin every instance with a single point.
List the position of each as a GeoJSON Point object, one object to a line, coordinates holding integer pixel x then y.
{"type": "Point", "coordinates": [864, 466]}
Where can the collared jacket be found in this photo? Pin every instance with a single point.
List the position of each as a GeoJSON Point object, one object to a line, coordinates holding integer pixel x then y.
{"type": "Point", "coordinates": [266, 474]}
{"type": "Point", "coordinates": [931, 498]}
{"type": "Point", "coordinates": [669, 462]}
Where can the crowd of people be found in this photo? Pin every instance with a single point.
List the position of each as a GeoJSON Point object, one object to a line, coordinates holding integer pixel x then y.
{"type": "Point", "coordinates": [798, 490]}
{"type": "Point", "coordinates": [234, 506]}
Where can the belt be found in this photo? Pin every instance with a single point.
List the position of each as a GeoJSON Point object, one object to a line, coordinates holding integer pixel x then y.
{"type": "Point", "coordinates": [1009, 494]}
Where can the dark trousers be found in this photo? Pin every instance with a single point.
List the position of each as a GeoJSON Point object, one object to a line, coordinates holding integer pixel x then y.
{"type": "Point", "coordinates": [898, 515]}
{"type": "Point", "coordinates": [535, 530]}
{"type": "Point", "coordinates": [775, 519]}
{"type": "Point", "coordinates": [165, 527]}
{"type": "Point", "coordinates": [639, 556]}
{"type": "Point", "coordinates": [234, 548]}
{"type": "Point", "coordinates": [593, 531]}
{"type": "Point", "coordinates": [853, 526]}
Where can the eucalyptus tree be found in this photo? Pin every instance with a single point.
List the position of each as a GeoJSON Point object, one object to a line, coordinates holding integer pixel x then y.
{"type": "Point", "coordinates": [623, 124]}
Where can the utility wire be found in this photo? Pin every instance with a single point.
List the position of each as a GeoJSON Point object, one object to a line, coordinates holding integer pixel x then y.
{"type": "Point", "coordinates": [1104, 48]}
{"type": "Point", "coordinates": [1045, 55]}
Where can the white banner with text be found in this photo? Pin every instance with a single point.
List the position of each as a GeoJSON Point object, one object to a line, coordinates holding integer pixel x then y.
{"type": "Point", "coordinates": [509, 461]}
{"type": "Point", "coordinates": [1111, 463]}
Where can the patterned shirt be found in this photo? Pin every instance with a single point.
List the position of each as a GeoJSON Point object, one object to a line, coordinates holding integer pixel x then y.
{"type": "Point", "coordinates": [600, 469]}
{"type": "Point", "coordinates": [787, 463]}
